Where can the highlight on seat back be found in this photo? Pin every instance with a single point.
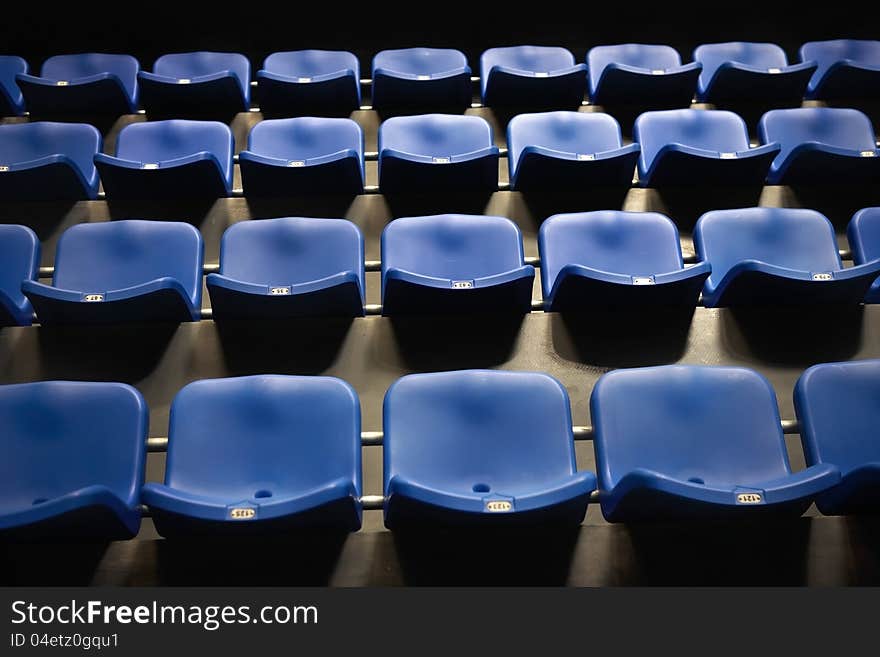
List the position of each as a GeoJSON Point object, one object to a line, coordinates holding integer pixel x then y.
{"type": "Point", "coordinates": [73, 461]}
{"type": "Point", "coordinates": [19, 261]}
{"type": "Point", "coordinates": [309, 82]}
{"type": "Point", "coordinates": [568, 150]}
{"type": "Point", "coordinates": [821, 145]}
{"type": "Point", "coordinates": [784, 256]}
{"type": "Point", "coordinates": [454, 263]}
{"type": "Point", "coordinates": [863, 234]}
{"type": "Point", "coordinates": [744, 71]}
{"type": "Point", "coordinates": [642, 75]}
{"type": "Point", "coordinates": [615, 259]}
{"type": "Point", "coordinates": [89, 83]}
{"type": "Point", "coordinates": [429, 78]}
{"type": "Point", "coordinates": [289, 267]}
{"type": "Point", "coordinates": [288, 157]}
{"type": "Point", "coordinates": [537, 77]}
{"type": "Point", "coordinates": [11, 98]}
{"type": "Point", "coordinates": [437, 152]}
{"type": "Point", "coordinates": [45, 161]}
{"type": "Point", "coordinates": [197, 84]}
{"type": "Point", "coordinates": [123, 271]}
{"type": "Point", "coordinates": [693, 442]}
{"type": "Point", "coordinates": [481, 447]}
{"type": "Point", "coordinates": [848, 68]}
{"type": "Point", "coordinates": [260, 454]}
{"type": "Point", "coordinates": [693, 147]}
{"type": "Point", "coordinates": [838, 407]}
{"type": "Point", "coordinates": [169, 159]}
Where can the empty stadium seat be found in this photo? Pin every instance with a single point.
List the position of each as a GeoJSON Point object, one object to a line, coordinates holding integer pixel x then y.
{"type": "Point", "coordinates": [89, 83]}
{"type": "Point", "coordinates": [421, 77]}
{"type": "Point", "coordinates": [743, 71]}
{"type": "Point", "coordinates": [693, 147]}
{"type": "Point", "coordinates": [11, 99]}
{"type": "Point", "coordinates": [287, 157]}
{"type": "Point", "coordinates": [691, 442]}
{"type": "Point", "coordinates": [73, 460]}
{"type": "Point", "coordinates": [538, 77]}
{"type": "Point", "coordinates": [481, 447]}
{"type": "Point", "coordinates": [309, 82]}
{"type": "Point", "coordinates": [46, 161]}
{"type": "Point", "coordinates": [838, 407]}
{"type": "Point", "coordinates": [615, 259]}
{"type": "Point", "coordinates": [169, 159]}
{"type": "Point", "coordinates": [863, 234]}
{"type": "Point", "coordinates": [289, 267]}
{"type": "Point", "coordinates": [19, 261]}
{"type": "Point", "coordinates": [260, 454]}
{"type": "Point", "coordinates": [123, 271]}
{"type": "Point", "coordinates": [776, 256]}
{"type": "Point", "coordinates": [568, 150]}
{"type": "Point", "coordinates": [454, 263]}
{"type": "Point", "coordinates": [437, 152]}
{"type": "Point", "coordinates": [848, 68]}
{"type": "Point", "coordinates": [821, 145]}
{"type": "Point", "coordinates": [197, 84]}
{"type": "Point", "coordinates": [639, 74]}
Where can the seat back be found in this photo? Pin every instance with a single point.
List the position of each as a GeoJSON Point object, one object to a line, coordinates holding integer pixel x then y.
{"type": "Point", "coordinates": [291, 250]}
{"type": "Point", "coordinates": [61, 436]}
{"type": "Point", "coordinates": [838, 406]}
{"type": "Point", "coordinates": [863, 234]}
{"type": "Point", "coordinates": [711, 425]}
{"type": "Point", "coordinates": [712, 56]}
{"type": "Point", "coordinates": [311, 63]}
{"type": "Point", "coordinates": [10, 66]}
{"type": "Point", "coordinates": [435, 135]}
{"type": "Point", "coordinates": [798, 239]}
{"type": "Point", "coordinates": [186, 65]}
{"type": "Point", "coordinates": [158, 141]}
{"type": "Point", "coordinates": [304, 138]}
{"type": "Point", "coordinates": [568, 132]}
{"type": "Point", "coordinates": [23, 142]}
{"type": "Point", "coordinates": [452, 246]}
{"type": "Point", "coordinates": [19, 260]}
{"type": "Point", "coordinates": [531, 59]}
{"type": "Point", "coordinates": [827, 53]}
{"type": "Point", "coordinates": [113, 255]}
{"type": "Point", "coordinates": [718, 131]}
{"type": "Point", "coordinates": [639, 55]}
{"type": "Point", "coordinates": [72, 67]}
{"type": "Point", "coordinates": [478, 430]}
{"type": "Point", "coordinates": [842, 128]}
{"type": "Point", "coordinates": [420, 61]}
{"type": "Point", "coordinates": [263, 436]}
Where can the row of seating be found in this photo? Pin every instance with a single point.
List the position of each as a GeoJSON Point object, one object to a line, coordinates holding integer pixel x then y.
{"type": "Point", "coordinates": [309, 81]}
{"type": "Point", "coordinates": [481, 447]}
{"type": "Point", "coordinates": [135, 270]}
{"type": "Point", "coordinates": [547, 151]}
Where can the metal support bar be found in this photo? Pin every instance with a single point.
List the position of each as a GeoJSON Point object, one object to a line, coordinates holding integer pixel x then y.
{"type": "Point", "coordinates": [373, 265]}
{"type": "Point", "coordinates": [373, 502]}
{"type": "Point", "coordinates": [790, 426]}
{"type": "Point", "coordinates": [582, 432]}
{"type": "Point", "coordinates": [372, 438]}
{"type": "Point", "coordinates": [537, 304]}
{"type": "Point", "coordinates": [373, 309]}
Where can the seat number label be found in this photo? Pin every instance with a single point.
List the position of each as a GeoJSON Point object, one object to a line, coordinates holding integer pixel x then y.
{"type": "Point", "coordinates": [61, 83]}
{"type": "Point", "coordinates": [296, 163]}
{"type": "Point", "coordinates": [868, 154]}
{"type": "Point", "coordinates": [150, 165]}
{"type": "Point", "coordinates": [499, 506]}
{"type": "Point", "coordinates": [242, 513]}
{"type": "Point", "coordinates": [304, 79]}
{"type": "Point", "coordinates": [462, 285]}
{"type": "Point", "coordinates": [586, 156]}
{"type": "Point", "coordinates": [4, 168]}
{"type": "Point", "coordinates": [643, 280]}
{"type": "Point", "coordinates": [727, 156]}
{"type": "Point", "coordinates": [749, 498]}
{"type": "Point", "coordinates": [92, 298]}
{"type": "Point", "coordinates": [441, 160]}
{"type": "Point", "coordinates": [279, 291]}
{"type": "Point", "coordinates": [822, 276]}
{"type": "Point", "coordinates": [774, 70]}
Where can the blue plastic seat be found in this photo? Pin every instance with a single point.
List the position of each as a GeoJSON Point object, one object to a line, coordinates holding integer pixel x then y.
{"type": "Point", "coordinates": [838, 406]}
{"type": "Point", "coordinates": [615, 259]}
{"type": "Point", "coordinates": [848, 68]}
{"type": "Point", "coordinates": [693, 147]}
{"type": "Point", "coordinates": [89, 83]}
{"type": "Point", "coordinates": [743, 71]}
{"type": "Point", "coordinates": [481, 447]}
{"type": "Point", "coordinates": [19, 261]}
{"type": "Point", "coordinates": [288, 157]}
{"type": "Point", "coordinates": [197, 83]}
{"type": "Point", "coordinates": [568, 150]}
{"type": "Point", "coordinates": [169, 159]}
{"type": "Point", "coordinates": [45, 161]}
{"type": "Point", "coordinates": [123, 271]}
{"type": "Point", "coordinates": [454, 263]}
{"type": "Point", "coordinates": [309, 82]}
{"type": "Point", "coordinates": [692, 442]}
{"type": "Point", "coordinates": [421, 77]}
{"type": "Point", "coordinates": [437, 152]}
{"type": "Point", "coordinates": [11, 98]}
{"type": "Point", "coordinates": [640, 74]}
{"type": "Point", "coordinates": [863, 234]}
{"type": "Point", "coordinates": [289, 267]}
{"type": "Point", "coordinates": [821, 145]}
{"type": "Point", "coordinates": [539, 77]}
{"type": "Point", "coordinates": [260, 454]}
{"type": "Point", "coordinates": [786, 256]}
{"type": "Point", "coordinates": [73, 460]}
